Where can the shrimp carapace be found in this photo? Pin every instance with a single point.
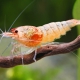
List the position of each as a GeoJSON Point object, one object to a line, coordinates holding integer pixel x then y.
{"type": "Point", "coordinates": [27, 35]}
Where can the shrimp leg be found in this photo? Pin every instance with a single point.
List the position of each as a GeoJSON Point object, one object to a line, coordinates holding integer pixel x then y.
{"type": "Point", "coordinates": [31, 49]}
{"type": "Point", "coordinates": [17, 49]}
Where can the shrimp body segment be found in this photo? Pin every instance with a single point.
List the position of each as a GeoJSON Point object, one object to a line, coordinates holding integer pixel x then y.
{"type": "Point", "coordinates": [54, 30]}
{"type": "Point", "coordinates": [32, 36]}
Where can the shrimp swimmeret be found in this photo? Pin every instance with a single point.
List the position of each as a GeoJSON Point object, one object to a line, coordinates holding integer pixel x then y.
{"type": "Point", "coordinates": [32, 37]}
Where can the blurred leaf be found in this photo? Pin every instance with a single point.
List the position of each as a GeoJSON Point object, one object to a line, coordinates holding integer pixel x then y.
{"type": "Point", "coordinates": [76, 9]}
{"type": "Point", "coordinates": [24, 73]}
{"type": "Point", "coordinates": [76, 14]}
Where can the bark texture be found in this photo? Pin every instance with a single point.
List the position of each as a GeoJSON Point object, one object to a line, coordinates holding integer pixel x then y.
{"type": "Point", "coordinates": [48, 50]}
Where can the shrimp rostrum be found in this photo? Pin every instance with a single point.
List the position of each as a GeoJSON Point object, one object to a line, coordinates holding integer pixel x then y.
{"type": "Point", "coordinates": [32, 37]}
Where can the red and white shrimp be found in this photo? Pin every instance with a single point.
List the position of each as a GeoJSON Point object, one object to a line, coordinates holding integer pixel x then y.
{"type": "Point", "coordinates": [32, 37]}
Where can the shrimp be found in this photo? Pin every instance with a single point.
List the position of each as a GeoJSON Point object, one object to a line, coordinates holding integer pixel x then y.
{"type": "Point", "coordinates": [32, 37]}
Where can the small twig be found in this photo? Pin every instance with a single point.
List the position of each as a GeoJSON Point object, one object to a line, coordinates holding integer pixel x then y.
{"type": "Point", "coordinates": [44, 51]}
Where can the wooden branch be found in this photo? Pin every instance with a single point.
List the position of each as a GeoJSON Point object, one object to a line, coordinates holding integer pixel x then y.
{"type": "Point", "coordinates": [44, 51]}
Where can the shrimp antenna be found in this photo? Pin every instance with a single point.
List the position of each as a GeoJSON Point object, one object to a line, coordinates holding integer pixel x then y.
{"type": "Point", "coordinates": [73, 53]}
{"type": "Point", "coordinates": [4, 28]}
{"type": "Point", "coordinates": [1, 34]}
{"type": "Point", "coordinates": [6, 48]}
{"type": "Point", "coordinates": [5, 23]}
{"type": "Point", "coordinates": [20, 14]}
{"type": "Point", "coordinates": [1, 30]}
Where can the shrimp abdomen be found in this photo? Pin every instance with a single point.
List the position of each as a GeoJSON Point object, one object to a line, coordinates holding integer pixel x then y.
{"type": "Point", "coordinates": [54, 30]}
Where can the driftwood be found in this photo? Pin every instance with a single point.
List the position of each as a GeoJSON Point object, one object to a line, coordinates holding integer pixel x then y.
{"type": "Point", "coordinates": [48, 50]}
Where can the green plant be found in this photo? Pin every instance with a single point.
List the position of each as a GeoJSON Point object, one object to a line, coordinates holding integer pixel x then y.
{"type": "Point", "coordinates": [76, 14]}
{"type": "Point", "coordinates": [25, 73]}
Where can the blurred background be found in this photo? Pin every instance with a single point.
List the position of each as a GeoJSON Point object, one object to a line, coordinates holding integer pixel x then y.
{"type": "Point", "coordinates": [37, 13]}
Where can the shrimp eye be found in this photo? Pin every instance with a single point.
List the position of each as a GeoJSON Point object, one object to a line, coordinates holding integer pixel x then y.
{"type": "Point", "coordinates": [16, 31]}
